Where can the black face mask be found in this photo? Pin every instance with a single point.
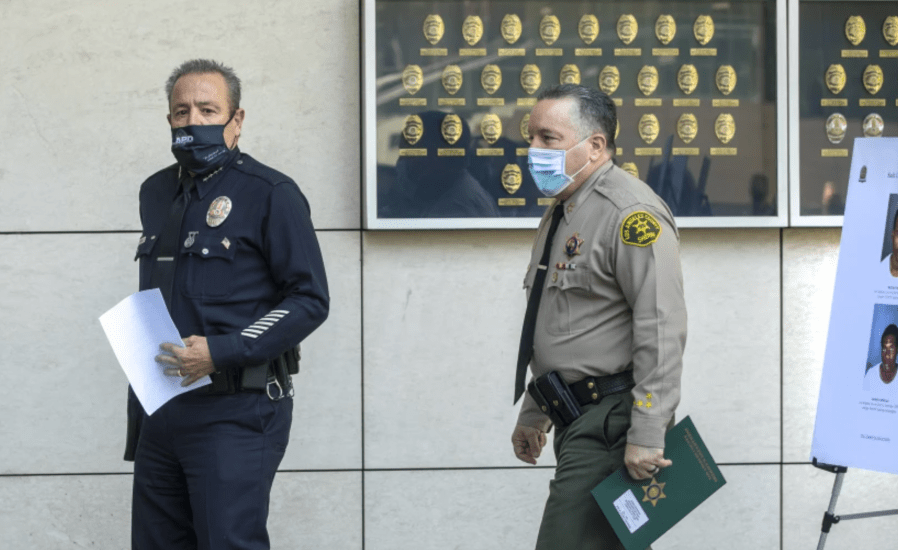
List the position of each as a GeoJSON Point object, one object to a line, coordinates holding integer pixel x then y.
{"type": "Point", "coordinates": [201, 149]}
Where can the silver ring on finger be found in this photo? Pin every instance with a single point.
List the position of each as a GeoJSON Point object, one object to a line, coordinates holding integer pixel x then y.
{"type": "Point", "coordinates": [654, 469]}
{"type": "Point", "coordinates": [181, 374]}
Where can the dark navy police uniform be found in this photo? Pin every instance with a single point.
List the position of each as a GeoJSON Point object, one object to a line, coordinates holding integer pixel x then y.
{"type": "Point", "coordinates": [255, 287]}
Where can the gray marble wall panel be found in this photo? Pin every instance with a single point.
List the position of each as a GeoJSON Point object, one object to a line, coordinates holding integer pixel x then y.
{"type": "Point", "coordinates": [731, 374]}
{"type": "Point", "coordinates": [809, 277]}
{"type": "Point", "coordinates": [82, 87]}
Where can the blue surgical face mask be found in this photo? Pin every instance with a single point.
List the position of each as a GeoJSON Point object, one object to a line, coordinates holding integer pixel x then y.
{"type": "Point", "coordinates": [201, 149]}
{"type": "Point", "coordinates": [547, 169]}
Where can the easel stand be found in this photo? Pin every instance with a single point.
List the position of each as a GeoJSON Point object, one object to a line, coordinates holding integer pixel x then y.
{"type": "Point", "coordinates": [829, 518]}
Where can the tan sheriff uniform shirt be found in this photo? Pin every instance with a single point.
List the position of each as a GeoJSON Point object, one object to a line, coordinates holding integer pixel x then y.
{"type": "Point", "coordinates": [613, 296]}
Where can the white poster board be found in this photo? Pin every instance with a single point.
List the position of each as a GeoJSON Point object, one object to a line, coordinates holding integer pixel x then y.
{"type": "Point", "coordinates": [857, 412]}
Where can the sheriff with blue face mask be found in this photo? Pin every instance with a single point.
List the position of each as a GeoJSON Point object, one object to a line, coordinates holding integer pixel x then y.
{"type": "Point", "coordinates": [229, 243]}
{"type": "Point", "coordinates": [605, 325]}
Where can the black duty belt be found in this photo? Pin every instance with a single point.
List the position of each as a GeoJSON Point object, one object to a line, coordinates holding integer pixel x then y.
{"type": "Point", "coordinates": [561, 402]}
{"type": "Point", "coordinates": [593, 388]}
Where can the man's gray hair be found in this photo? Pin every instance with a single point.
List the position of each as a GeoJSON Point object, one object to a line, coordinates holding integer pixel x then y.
{"type": "Point", "coordinates": [203, 66]}
{"type": "Point", "coordinates": [597, 112]}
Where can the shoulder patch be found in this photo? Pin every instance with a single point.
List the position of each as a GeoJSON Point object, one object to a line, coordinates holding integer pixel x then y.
{"type": "Point", "coordinates": [640, 229]}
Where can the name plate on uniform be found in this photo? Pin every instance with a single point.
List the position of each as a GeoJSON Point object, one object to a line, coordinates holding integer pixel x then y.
{"type": "Point", "coordinates": [872, 102]}
{"type": "Point", "coordinates": [489, 152]}
{"type": "Point", "coordinates": [628, 52]}
{"type": "Point", "coordinates": [469, 52]}
{"type": "Point", "coordinates": [518, 201]}
{"type": "Point", "coordinates": [451, 152]}
{"type": "Point", "coordinates": [685, 151]}
{"type": "Point", "coordinates": [521, 151]}
{"type": "Point", "coordinates": [855, 53]}
{"type": "Point", "coordinates": [703, 52]}
{"type": "Point", "coordinates": [647, 151]}
{"type": "Point", "coordinates": [526, 101]}
{"type": "Point", "coordinates": [725, 102]}
{"type": "Point", "coordinates": [666, 52]}
{"type": "Point", "coordinates": [547, 52]}
{"type": "Point", "coordinates": [451, 102]}
{"type": "Point", "coordinates": [618, 101]}
{"type": "Point", "coordinates": [691, 102]}
{"type": "Point", "coordinates": [545, 201]}
{"type": "Point", "coordinates": [510, 52]}
{"type": "Point", "coordinates": [723, 151]}
{"type": "Point", "coordinates": [413, 152]}
{"type": "Point", "coordinates": [412, 102]}
{"type": "Point", "coordinates": [837, 102]}
{"type": "Point", "coordinates": [888, 53]}
{"type": "Point", "coordinates": [431, 52]}
{"type": "Point", "coordinates": [490, 101]}
{"type": "Point", "coordinates": [588, 52]}
{"type": "Point", "coordinates": [647, 102]}
{"type": "Point", "coordinates": [833, 152]}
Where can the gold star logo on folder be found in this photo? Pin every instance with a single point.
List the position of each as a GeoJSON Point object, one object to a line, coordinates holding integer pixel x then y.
{"type": "Point", "coordinates": [654, 492]}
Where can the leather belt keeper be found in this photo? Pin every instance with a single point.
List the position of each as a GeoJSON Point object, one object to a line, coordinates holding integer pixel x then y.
{"type": "Point", "coordinates": [561, 402]}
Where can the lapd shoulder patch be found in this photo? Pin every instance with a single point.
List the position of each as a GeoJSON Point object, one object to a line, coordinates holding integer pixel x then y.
{"type": "Point", "coordinates": [640, 229]}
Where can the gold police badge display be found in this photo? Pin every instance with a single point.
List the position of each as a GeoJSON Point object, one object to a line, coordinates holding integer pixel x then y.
{"type": "Point", "coordinates": [687, 78]}
{"type": "Point", "coordinates": [687, 127]}
{"type": "Point", "coordinates": [609, 79]}
{"type": "Point", "coordinates": [725, 127]}
{"type": "Point", "coordinates": [451, 128]}
{"type": "Point", "coordinates": [647, 79]}
{"type": "Point", "coordinates": [588, 28]}
{"type": "Point", "coordinates": [491, 78]}
{"type": "Point", "coordinates": [640, 229]}
{"type": "Point", "coordinates": [530, 78]}
{"type": "Point", "coordinates": [511, 28]}
{"type": "Point", "coordinates": [549, 29]}
{"type": "Point", "coordinates": [525, 128]}
{"type": "Point", "coordinates": [725, 79]}
{"type": "Point", "coordinates": [413, 129]}
{"type": "Point", "coordinates": [648, 127]}
{"type": "Point", "coordinates": [433, 28]}
{"type": "Point", "coordinates": [491, 128]}
{"type": "Point", "coordinates": [855, 29]}
{"type": "Point", "coordinates": [570, 74]}
{"type": "Point", "coordinates": [452, 79]}
{"type": "Point", "coordinates": [630, 168]}
{"type": "Point", "coordinates": [627, 28]}
{"type": "Point", "coordinates": [890, 30]}
{"type": "Point", "coordinates": [412, 79]}
{"type": "Point", "coordinates": [703, 29]}
{"type": "Point", "coordinates": [665, 29]}
{"type": "Point", "coordinates": [873, 79]}
{"type": "Point", "coordinates": [835, 78]}
{"type": "Point", "coordinates": [472, 29]}
{"type": "Point", "coordinates": [512, 178]}
{"type": "Point", "coordinates": [218, 211]}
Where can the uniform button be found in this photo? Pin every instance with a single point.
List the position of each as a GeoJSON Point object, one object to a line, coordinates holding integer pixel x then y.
{"type": "Point", "coordinates": [205, 251]}
{"type": "Point", "coordinates": [555, 277]}
{"type": "Point", "coordinates": [239, 162]}
{"type": "Point", "coordinates": [545, 408]}
{"type": "Point", "coordinates": [590, 385]}
{"type": "Point", "coordinates": [153, 237]}
{"type": "Point", "coordinates": [595, 396]}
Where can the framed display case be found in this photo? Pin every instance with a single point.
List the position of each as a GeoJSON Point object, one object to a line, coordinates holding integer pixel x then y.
{"type": "Point", "coordinates": [448, 87]}
{"type": "Point", "coordinates": [845, 87]}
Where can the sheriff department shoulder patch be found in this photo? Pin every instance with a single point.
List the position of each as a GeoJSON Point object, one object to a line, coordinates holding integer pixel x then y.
{"type": "Point", "coordinates": [640, 229]}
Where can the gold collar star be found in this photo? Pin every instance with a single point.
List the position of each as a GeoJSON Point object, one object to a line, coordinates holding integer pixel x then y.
{"type": "Point", "coordinates": [654, 492]}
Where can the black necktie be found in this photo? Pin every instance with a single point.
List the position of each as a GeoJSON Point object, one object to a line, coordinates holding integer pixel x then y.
{"type": "Point", "coordinates": [525, 352]}
{"type": "Point", "coordinates": [163, 273]}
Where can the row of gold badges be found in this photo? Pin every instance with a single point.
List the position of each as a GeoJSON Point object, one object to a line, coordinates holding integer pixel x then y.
{"type": "Point", "coordinates": [856, 31]}
{"type": "Point", "coordinates": [531, 79]}
{"type": "Point", "coordinates": [648, 127]}
{"type": "Point", "coordinates": [836, 78]}
{"type": "Point", "coordinates": [512, 178]}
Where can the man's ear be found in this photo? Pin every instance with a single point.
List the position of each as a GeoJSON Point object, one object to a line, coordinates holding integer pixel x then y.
{"type": "Point", "coordinates": [598, 144]}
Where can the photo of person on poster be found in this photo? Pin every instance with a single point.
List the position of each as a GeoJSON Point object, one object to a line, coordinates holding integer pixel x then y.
{"type": "Point", "coordinates": [880, 378]}
{"type": "Point", "coordinates": [889, 262]}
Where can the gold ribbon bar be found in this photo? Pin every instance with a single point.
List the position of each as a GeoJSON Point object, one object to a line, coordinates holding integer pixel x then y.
{"type": "Point", "coordinates": [512, 51]}
{"type": "Point", "coordinates": [685, 151]}
{"type": "Point", "coordinates": [647, 151]}
{"type": "Point", "coordinates": [628, 52]}
{"type": "Point", "coordinates": [490, 101]}
{"type": "Point", "coordinates": [454, 152]}
{"type": "Point", "coordinates": [430, 52]}
{"type": "Point", "coordinates": [588, 52]}
{"type": "Point", "coordinates": [647, 102]}
{"type": "Point", "coordinates": [691, 102]}
{"type": "Point", "coordinates": [833, 152]}
{"type": "Point", "coordinates": [545, 52]}
{"type": "Point", "coordinates": [521, 151]}
{"type": "Point", "coordinates": [666, 52]}
{"type": "Point", "coordinates": [723, 151]}
{"type": "Point", "coordinates": [526, 101]}
{"type": "Point", "coordinates": [513, 202]}
{"type": "Point", "coordinates": [413, 152]}
{"type": "Point", "coordinates": [888, 53]}
{"type": "Point", "coordinates": [706, 52]}
{"type": "Point", "coordinates": [839, 102]}
{"type": "Point", "coordinates": [880, 102]}
{"type": "Point", "coordinates": [855, 53]}
{"type": "Point", "coordinates": [412, 102]}
{"type": "Point", "coordinates": [483, 152]}
{"type": "Point", "coordinates": [469, 52]}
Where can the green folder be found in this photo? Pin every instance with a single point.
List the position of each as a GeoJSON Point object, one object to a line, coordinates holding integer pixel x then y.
{"type": "Point", "coordinates": [642, 510]}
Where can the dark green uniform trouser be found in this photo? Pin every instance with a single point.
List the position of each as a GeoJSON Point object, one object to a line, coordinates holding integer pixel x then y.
{"type": "Point", "coordinates": [587, 452]}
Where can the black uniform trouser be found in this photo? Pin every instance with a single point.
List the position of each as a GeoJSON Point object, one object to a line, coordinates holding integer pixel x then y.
{"type": "Point", "coordinates": [203, 471]}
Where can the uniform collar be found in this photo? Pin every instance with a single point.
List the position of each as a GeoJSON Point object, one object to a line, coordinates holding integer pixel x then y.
{"type": "Point", "coordinates": [204, 184]}
{"type": "Point", "coordinates": [579, 197]}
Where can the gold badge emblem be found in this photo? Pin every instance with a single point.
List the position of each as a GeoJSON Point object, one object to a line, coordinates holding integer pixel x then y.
{"type": "Point", "coordinates": [687, 78]}
{"type": "Point", "coordinates": [570, 74]}
{"type": "Point", "coordinates": [511, 28]}
{"type": "Point", "coordinates": [491, 78]}
{"type": "Point", "coordinates": [687, 127]}
{"type": "Point", "coordinates": [549, 29]}
{"type": "Point", "coordinates": [491, 128]}
{"type": "Point", "coordinates": [725, 79]}
{"type": "Point", "coordinates": [835, 78]}
{"type": "Point", "coordinates": [836, 126]}
{"type": "Point", "coordinates": [472, 29]}
{"type": "Point", "coordinates": [648, 127]}
{"type": "Point", "coordinates": [433, 28]}
{"type": "Point", "coordinates": [873, 125]}
{"type": "Point", "coordinates": [725, 127]}
{"type": "Point", "coordinates": [512, 178]}
{"type": "Point", "coordinates": [452, 79]}
{"type": "Point", "coordinates": [525, 128]}
{"type": "Point", "coordinates": [627, 29]}
{"type": "Point", "coordinates": [703, 29]}
{"type": "Point", "coordinates": [609, 79]}
{"type": "Point", "coordinates": [855, 29]}
{"type": "Point", "coordinates": [665, 29]}
{"type": "Point", "coordinates": [218, 211]}
{"type": "Point", "coordinates": [413, 129]}
{"type": "Point", "coordinates": [572, 246]}
{"type": "Point", "coordinates": [630, 168]}
{"type": "Point", "coordinates": [654, 492]}
{"type": "Point", "coordinates": [530, 78]}
{"type": "Point", "coordinates": [873, 79]}
{"type": "Point", "coordinates": [890, 30]}
{"type": "Point", "coordinates": [412, 79]}
{"type": "Point", "coordinates": [588, 28]}
{"type": "Point", "coordinates": [640, 229]}
{"type": "Point", "coordinates": [647, 79]}
{"type": "Point", "coordinates": [451, 129]}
